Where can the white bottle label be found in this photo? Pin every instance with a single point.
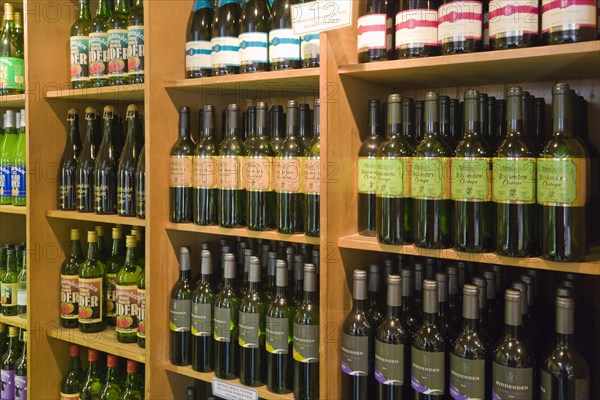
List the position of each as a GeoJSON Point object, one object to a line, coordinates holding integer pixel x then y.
{"type": "Point", "coordinates": [283, 45]}
{"type": "Point", "coordinates": [22, 297]}
{"type": "Point", "coordinates": [197, 55]}
{"type": "Point", "coordinates": [371, 32]}
{"type": "Point", "coordinates": [254, 48]}
{"type": "Point", "coordinates": [416, 28]}
{"type": "Point", "coordinates": [225, 51]}
{"type": "Point", "coordinates": [459, 20]}
{"type": "Point", "coordinates": [561, 15]}
{"type": "Point", "coordinates": [310, 46]}
{"type": "Point", "coordinates": [510, 18]}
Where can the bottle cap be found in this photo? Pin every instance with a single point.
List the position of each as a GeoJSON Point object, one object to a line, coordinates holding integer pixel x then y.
{"type": "Point", "coordinates": [117, 233]}
{"type": "Point", "coordinates": [514, 91]}
{"type": "Point", "coordinates": [132, 108]}
{"type": "Point", "coordinates": [471, 94]}
{"type": "Point", "coordinates": [564, 315]}
{"type": "Point", "coordinates": [72, 114]}
{"type": "Point", "coordinates": [430, 297]}
{"type": "Point", "coordinates": [470, 301]}
{"type": "Point", "coordinates": [394, 291]}
{"type": "Point", "coordinates": [132, 367]}
{"type": "Point", "coordinates": [310, 278]}
{"type": "Point", "coordinates": [111, 360]}
{"type": "Point", "coordinates": [394, 98]}
{"type": "Point", "coordinates": [73, 348]}
{"type": "Point", "coordinates": [206, 267]}
{"type": "Point", "coordinates": [75, 235]}
{"type": "Point", "coordinates": [481, 283]}
{"type": "Point", "coordinates": [561, 88]}
{"type": "Point", "coordinates": [229, 266]}
{"type": "Point", "coordinates": [407, 282]}
{"type": "Point", "coordinates": [130, 241]}
{"type": "Point", "coordinates": [100, 230]}
{"type": "Point", "coordinates": [374, 278]}
{"type": "Point", "coordinates": [442, 280]}
{"type": "Point", "coordinates": [490, 277]}
{"type": "Point", "coordinates": [109, 112]}
{"type": "Point", "coordinates": [92, 237]}
{"type": "Point", "coordinates": [359, 290]}
{"type": "Point", "coordinates": [92, 355]}
{"type": "Point", "coordinates": [512, 308]}
{"type": "Point", "coordinates": [281, 275]}
{"type": "Point", "coordinates": [254, 272]}
{"type": "Point", "coordinates": [184, 258]}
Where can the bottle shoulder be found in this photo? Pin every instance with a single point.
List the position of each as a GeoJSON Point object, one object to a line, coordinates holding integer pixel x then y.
{"type": "Point", "coordinates": [473, 146]}
{"type": "Point", "coordinates": [561, 146]}
{"type": "Point", "coordinates": [514, 146]}
{"type": "Point", "coordinates": [433, 146]}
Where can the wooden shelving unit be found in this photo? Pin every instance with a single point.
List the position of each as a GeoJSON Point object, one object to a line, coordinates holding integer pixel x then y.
{"type": "Point", "coordinates": [8, 209]}
{"type": "Point", "coordinates": [128, 93]}
{"type": "Point", "coordinates": [91, 217]}
{"type": "Point", "coordinates": [14, 320]}
{"type": "Point", "coordinates": [12, 100]}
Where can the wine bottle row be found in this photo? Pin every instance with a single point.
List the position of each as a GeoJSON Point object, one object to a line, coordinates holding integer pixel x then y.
{"type": "Point", "coordinates": [521, 197]}
{"type": "Point", "coordinates": [12, 52]}
{"type": "Point", "coordinates": [238, 38]}
{"type": "Point", "coordinates": [13, 364]}
{"type": "Point", "coordinates": [13, 280]}
{"type": "Point", "coordinates": [107, 50]}
{"type": "Point", "coordinates": [260, 324]}
{"type": "Point", "coordinates": [262, 183]}
{"type": "Point", "coordinates": [13, 159]}
{"type": "Point", "coordinates": [105, 288]}
{"type": "Point", "coordinates": [115, 378]}
{"type": "Point", "coordinates": [388, 30]}
{"type": "Point", "coordinates": [107, 174]}
{"type": "Point", "coordinates": [438, 340]}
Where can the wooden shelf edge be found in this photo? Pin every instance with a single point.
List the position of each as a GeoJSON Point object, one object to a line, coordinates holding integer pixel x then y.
{"type": "Point", "coordinates": [12, 100]}
{"type": "Point", "coordinates": [133, 92]}
{"type": "Point", "coordinates": [358, 242]}
{"type": "Point", "coordinates": [91, 217]}
{"type": "Point", "coordinates": [243, 232]}
{"type": "Point", "coordinates": [14, 320]}
{"type": "Point", "coordinates": [104, 341]}
{"type": "Point", "coordinates": [19, 210]}
{"type": "Point", "coordinates": [263, 392]}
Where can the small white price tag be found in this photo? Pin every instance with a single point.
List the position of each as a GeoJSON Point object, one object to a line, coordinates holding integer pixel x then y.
{"type": "Point", "coordinates": [321, 15]}
{"type": "Point", "coordinates": [231, 391]}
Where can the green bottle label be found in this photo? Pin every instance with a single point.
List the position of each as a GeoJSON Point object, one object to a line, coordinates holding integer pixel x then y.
{"type": "Point", "coordinates": [562, 182]}
{"type": "Point", "coordinates": [514, 180]}
{"type": "Point", "coordinates": [393, 177]}
{"type": "Point", "coordinates": [249, 330]}
{"type": "Point", "coordinates": [467, 378]}
{"type": "Point", "coordinates": [223, 324]}
{"type": "Point", "coordinates": [471, 179]}
{"type": "Point", "coordinates": [431, 178]}
{"type": "Point", "coordinates": [135, 49]}
{"type": "Point", "coordinates": [545, 385]}
{"type": "Point", "coordinates": [389, 363]}
{"type": "Point", "coordinates": [98, 55]}
{"type": "Point", "coordinates": [355, 355]}
{"type": "Point", "coordinates": [306, 343]}
{"type": "Point", "coordinates": [181, 315]}
{"type": "Point", "coordinates": [278, 335]}
{"type": "Point", "coordinates": [511, 383]}
{"type": "Point", "coordinates": [367, 175]}
{"type": "Point", "coordinates": [79, 58]}
{"type": "Point", "coordinates": [202, 319]}
{"type": "Point", "coordinates": [12, 73]}
{"type": "Point", "coordinates": [117, 52]}
{"type": "Point", "coordinates": [428, 371]}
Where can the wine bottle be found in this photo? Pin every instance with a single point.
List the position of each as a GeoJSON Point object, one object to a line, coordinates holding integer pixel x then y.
{"type": "Point", "coordinates": [90, 388]}
{"type": "Point", "coordinates": [255, 25]}
{"type": "Point", "coordinates": [513, 185]}
{"type": "Point", "coordinates": [198, 46]}
{"type": "Point", "coordinates": [92, 306]}
{"type": "Point", "coordinates": [271, 277]}
{"type": "Point", "coordinates": [68, 164]}
{"type": "Point", "coordinates": [393, 202]}
{"type": "Point", "coordinates": [22, 287]}
{"type": "Point", "coordinates": [19, 167]}
{"type": "Point", "coordinates": [79, 45]}
{"type": "Point", "coordinates": [21, 371]}
{"type": "Point", "coordinates": [410, 317]}
{"type": "Point", "coordinates": [98, 45]}
{"type": "Point", "coordinates": [487, 331]}
{"type": "Point", "coordinates": [311, 174]}
{"type": "Point", "coordinates": [84, 177]}
{"type": "Point", "coordinates": [226, 323]}
{"type": "Point", "coordinates": [112, 387]}
{"type": "Point", "coordinates": [431, 184]}
{"type": "Point", "coordinates": [7, 148]}
{"type": "Point", "coordinates": [181, 310]}
{"type": "Point", "coordinates": [471, 184]}
{"type": "Point", "coordinates": [445, 132]}
{"type": "Point", "coordinates": [180, 182]}
{"type": "Point", "coordinates": [69, 287]}
{"type": "Point", "coordinates": [140, 185]}
{"type": "Point", "coordinates": [225, 42]}
{"type": "Point", "coordinates": [278, 339]}
{"type": "Point", "coordinates": [513, 24]}
{"type": "Point", "coordinates": [9, 284]}
{"type": "Point", "coordinates": [310, 50]}
{"type": "Point", "coordinates": [118, 44]}
{"type": "Point", "coordinates": [470, 358]}
{"type": "Point", "coordinates": [113, 264]}
{"type": "Point", "coordinates": [12, 55]}
{"type": "Point", "coordinates": [232, 194]}
{"type": "Point", "coordinates": [568, 23]}
{"type": "Point", "coordinates": [126, 173]}
{"type": "Point", "coordinates": [102, 251]}
{"type": "Point", "coordinates": [512, 361]}
{"type": "Point", "coordinates": [105, 169]}
{"type": "Point", "coordinates": [358, 344]}
{"type": "Point", "coordinates": [371, 41]}
{"type": "Point", "coordinates": [126, 299]}
{"type": "Point", "coordinates": [288, 176]}
{"type": "Point", "coordinates": [134, 385]}
{"type": "Point", "coordinates": [71, 384]}
{"type": "Point", "coordinates": [206, 171]}
{"type": "Point", "coordinates": [459, 26]}
{"type": "Point", "coordinates": [284, 46]}
{"type": "Point", "coordinates": [417, 29]}
{"type": "Point", "coordinates": [445, 321]}
{"type": "Point", "coordinates": [258, 174]}
{"type": "Point", "coordinates": [135, 43]}
{"type": "Point", "coordinates": [8, 362]}
{"type": "Point", "coordinates": [367, 171]}
{"type": "Point", "coordinates": [202, 317]}
{"type": "Point", "coordinates": [141, 310]}
{"type": "Point", "coordinates": [277, 126]}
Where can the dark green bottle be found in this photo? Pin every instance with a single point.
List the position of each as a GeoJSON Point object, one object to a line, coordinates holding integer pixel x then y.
{"type": "Point", "coordinates": [276, 126]}
{"type": "Point", "coordinates": [126, 285]}
{"type": "Point", "coordinates": [117, 44]}
{"type": "Point", "coordinates": [69, 287]}
{"type": "Point", "coordinates": [9, 284]}
{"type": "Point", "coordinates": [202, 317]}
{"type": "Point", "coordinates": [225, 43]}
{"type": "Point", "coordinates": [84, 179]}
{"type": "Point", "coordinates": [181, 172]}
{"type": "Point", "coordinates": [205, 165]}
{"type": "Point", "coordinates": [255, 25]}
{"type": "Point", "coordinates": [126, 173]}
{"type": "Point", "coordinates": [70, 385]}
{"type": "Point", "coordinates": [99, 45]}
{"type": "Point", "coordinates": [471, 184]}
{"type": "Point", "coordinates": [141, 310]}
{"type": "Point", "coordinates": [140, 185]}
{"type": "Point", "coordinates": [113, 386]}
{"type": "Point", "coordinates": [92, 304]}
{"type": "Point", "coordinates": [311, 173]}
{"type": "Point", "coordinates": [79, 44]}
{"type": "Point", "coordinates": [135, 43]}
{"type": "Point", "coordinates": [410, 316]}
{"type": "Point", "coordinates": [113, 264]}
{"type": "Point", "coordinates": [105, 169]}
{"type": "Point", "coordinates": [284, 46]}
{"type": "Point", "coordinates": [181, 312]}
{"type": "Point", "coordinates": [91, 386]}
{"type": "Point", "coordinates": [486, 330]}
{"type": "Point", "coordinates": [68, 164]}
{"type": "Point", "coordinates": [198, 46]}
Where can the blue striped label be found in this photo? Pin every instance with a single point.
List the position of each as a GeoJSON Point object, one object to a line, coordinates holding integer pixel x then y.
{"type": "Point", "coordinates": [254, 48]}
{"type": "Point", "coordinates": [200, 4]}
{"type": "Point", "coordinates": [283, 45]}
{"type": "Point", "coordinates": [225, 51]}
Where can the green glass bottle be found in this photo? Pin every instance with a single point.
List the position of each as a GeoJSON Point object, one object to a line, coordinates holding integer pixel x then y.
{"type": "Point", "coordinates": [198, 46]}
{"type": "Point", "coordinates": [92, 306]}
{"type": "Point", "coordinates": [203, 300]}
{"type": "Point", "coordinates": [126, 285]}
{"type": "Point", "coordinates": [98, 53]}
{"type": "Point", "coordinates": [105, 169]}
{"type": "Point", "coordinates": [69, 286]}
{"type": "Point", "coordinates": [181, 310]}
{"type": "Point", "coordinates": [127, 165]}
{"type": "Point", "coordinates": [22, 287]}
{"type": "Point", "coordinates": [471, 182]}
{"type": "Point", "coordinates": [140, 185]}
{"type": "Point", "coordinates": [225, 41]}
{"type": "Point", "coordinates": [117, 44]}
{"type": "Point", "coordinates": [311, 174]}
{"type": "Point", "coordinates": [8, 362]}
{"type": "Point", "coordinates": [3, 338]}
{"type": "Point", "coordinates": [394, 206]}
{"type": "Point", "coordinates": [112, 388]}
{"type": "Point", "coordinates": [68, 163]}
{"type": "Point", "coordinates": [9, 285]}
{"type": "Point", "coordinates": [135, 39]}
{"type": "Point", "coordinates": [7, 151]}
{"type": "Point", "coordinates": [80, 43]}
{"type": "Point", "coordinates": [255, 24]}
{"type": "Point", "coordinates": [140, 249]}
{"type": "Point", "coordinates": [284, 46]}
{"type": "Point", "coordinates": [113, 264]}
{"type": "Point", "coordinates": [12, 53]}
{"type": "Point", "coordinates": [71, 384]}
{"type": "Point", "coordinates": [84, 175]}
{"type": "Point", "coordinates": [141, 310]}
{"type": "Point", "coordinates": [205, 165]}
{"type": "Point", "coordinates": [91, 386]}
{"type": "Point", "coordinates": [21, 371]}
{"type": "Point", "coordinates": [19, 168]}
{"type": "Point", "coordinates": [180, 165]}
{"type": "Point", "coordinates": [134, 388]}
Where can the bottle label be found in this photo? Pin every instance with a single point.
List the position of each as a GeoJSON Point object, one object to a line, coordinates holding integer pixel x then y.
{"type": "Point", "coordinates": [306, 343]}
{"type": "Point", "coordinates": [117, 52]}
{"type": "Point", "coordinates": [471, 179]}
{"type": "Point", "coordinates": [393, 177]}
{"type": "Point", "coordinates": [459, 20]}
{"type": "Point", "coordinates": [141, 313]}
{"type": "Point", "coordinates": [202, 319]}
{"type": "Point", "coordinates": [310, 47]}
{"type": "Point", "coordinates": [225, 51]}
{"type": "Point", "coordinates": [389, 363]}
{"type": "Point", "coordinates": [65, 396]}
{"type": "Point", "coordinates": [367, 175]}
{"type": "Point", "coordinates": [513, 18]}
{"type": "Point", "coordinates": [90, 301]}
{"type": "Point", "coordinates": [563, 15]}
{"type": "Point", "coordinates": [12, 73]}
{"type": "Point", "coordinates": [278, 335]}
{"type": "Point", "coordinates": [254, 48]}
{"type": "Point", "coordinates": [257, 173]}
{"type": "Point", "coordinates": [467, 378]}
{"type": "Point", "coordinates": [135, 49]}
{"type": "Point", "coordinates": [511, 383]}
{"type": "Point", "coordinates": [514, 180]}
{"type": "Point", "coordinates": [288, 174]}
{"type": "Point", "coordinates": [230, 173]}
{"type": "Point", "coordinates": [416, 28]}
{"type": "Point", "coordinates": [104, 190]}
{"type": "Point", "coordinates": [127, 309]}
{"type": "Point", "coordinates": [9, 294]}
{"type": "Point", "coordinates": [69, 296]}
{"type": "Point", "coordinates": [562, 182]}
{"type": "Point", "coordinates": [199, 4]}
{"type": "Point", "coordinates": [311, 174]}
{"type": "Point", "coordinates": [223, 324]}
{"type": "Point", "coordinates": [431, 178]}
{"type": "Point", "coordinates": [22, 296]}
{"type": "Point", "coordinates": [5, 181]}
{"type": "Point", "coordinates": [283, 45]}
{"type": "Point", "coordinates": [79, 58]}
{"type": "Point", "coordinates": [371, 32]}
{"type": "Point", "coordinates": [427, 372]}
{"type": "Point", "coordinates": [249, 330]}
{"type": "Point", "coordinates": [20, 387]}
{"type": "Point", "coordinates": [206, 172]}
{"type": "Point", "coordinates": [140, 199]}
{"type": "Point", "coordinates": [98, 55]}
{"type": "Point", "coordinates": [355, 355]}
{"type": "Point", "coordinates": [180, 171]}
{"type": "Point", "coordinates": [18, 182]}
{"type": "Point", "coordinates": [181, 315]}
{"type": "Point", "coordinates": [546, 385]}
{"type": "Point", "coordinates": [125, 192]}
{"type": "Point", "coordinates": [111, 295]}
{"type": "Point", "coordinates": [8, 384]}
{"type": "Point", "coordinates": [197, 55]}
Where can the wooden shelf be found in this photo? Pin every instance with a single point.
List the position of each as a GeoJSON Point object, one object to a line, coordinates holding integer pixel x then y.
{"type": "Point", "coordinates": [7, 209]}
{"type": "Point", "coordinates": [568, 61]}
{"type": "Point", "coordinates": [12, 100]}
{"type": "Point", "coordinates": [103, 341]}
{"type": "Point", "coordinates": [243, 232]}
{"type": "Point", "coordinates": [590, 267]}
{"type": "Point", "coordinates": [14, 320]}
{"type": "Point", "coordinates": [263, 392]}
{"type": "Point", "coordinates": [126, 93]}
{"type": "Point", "coordinates": [92, 217]}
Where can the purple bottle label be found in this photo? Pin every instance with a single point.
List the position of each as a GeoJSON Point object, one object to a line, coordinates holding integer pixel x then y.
{"type": "Point", "coordinates": [20, 387]}
{"type": "Point", "coordinates": [8, 384]}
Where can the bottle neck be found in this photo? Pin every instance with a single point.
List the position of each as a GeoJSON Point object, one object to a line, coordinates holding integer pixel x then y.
{"type": "Point", "coordinates": [108, 127]}
{"type": "Point", "coordinates": [359, 305]}
{"type": "Point", "coordinates": [76, 250]}
{"type": "Point", "coordinates": [471, 124]}
{"type": "Point", "coordinates": [117, 246]}
{"type": "Point", "coordinates": [185, 275]}
{"type": "Point", "coordinates": [281, 291]}
{"type": "Point", "coordinates": [562, 111]}
{"type": "Point", "coordinates": [310, 297]}
{"type": "Point", "coordinates": [122, 6]}
{"type": "Point", "coordinates": [394, 311]}
{"type": "Point", "coordinates": [73, 133]}
{"type": "Point", "coordinates": [564, 340]}
{"type": "Point", "coordinates": [228, 283]}
{"type": "Point", "coordinates": [393, 120]}
{"type": "Point", "coordinates": [74, 361]}
{"type": "Point", "coordinates": [112, 375]}
{"type": "Point", "coordinates": [92, 251]}
{"type": "Point", "coordinates": [205, 279]}
{"type": "Point", "coordinates": [430, 318]}
{"type": "Point", "coordinates": [513, 331]}
{"type": "Point", "coordinates": [103, 9]}
{"type": "Point", "coordinates": [92, 368]}
{"type": "Point", "coordinates": [514, 116]}
{"type": "Point", "coordinates": [84, 9]}
{"type": "Point", "coordinates": [470, 324]}
{"type": "Point", "coordinates": [130, 256]}
{"type": "Point", "coordinates": [253, 287]}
